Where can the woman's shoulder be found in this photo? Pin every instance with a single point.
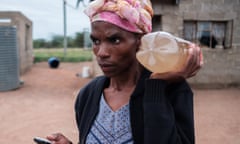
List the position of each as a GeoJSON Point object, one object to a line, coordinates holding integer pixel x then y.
{"type": "Point", "coordinates": [94, 84]}
{"type": "Point", "coordinates": [96, 81]}
{"type": "Point", "coordinates": [90, 89]}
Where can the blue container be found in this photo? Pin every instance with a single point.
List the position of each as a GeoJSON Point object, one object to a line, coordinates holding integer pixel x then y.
{"type": "Point", "coordinates": [53, 62]}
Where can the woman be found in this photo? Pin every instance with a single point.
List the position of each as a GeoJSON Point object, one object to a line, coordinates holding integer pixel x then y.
{"type": "Point", "coordinates": [129, 104]}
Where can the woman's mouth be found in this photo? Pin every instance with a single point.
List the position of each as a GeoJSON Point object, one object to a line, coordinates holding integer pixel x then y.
{"type": "Point", "coordinates": [106, 67]}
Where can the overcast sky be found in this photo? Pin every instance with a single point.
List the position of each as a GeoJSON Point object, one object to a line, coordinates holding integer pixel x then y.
{"type": "Point", "coordinates": [47, 16]}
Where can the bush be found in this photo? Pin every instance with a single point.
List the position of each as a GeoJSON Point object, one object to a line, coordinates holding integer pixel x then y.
{"type": "Point", "coordinates": [72, 55]}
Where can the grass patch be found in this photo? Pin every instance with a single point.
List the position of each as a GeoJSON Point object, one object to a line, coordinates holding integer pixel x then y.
{"type": "Point", "coordinates": [72, 54]}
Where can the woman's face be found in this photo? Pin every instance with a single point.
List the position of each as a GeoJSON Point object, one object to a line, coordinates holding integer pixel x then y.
{"type": "Point", "coordinates": [115, 48]}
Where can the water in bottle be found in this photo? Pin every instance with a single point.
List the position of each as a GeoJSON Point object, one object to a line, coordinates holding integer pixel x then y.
{"type": "Point", "coordinates": [161, 52]}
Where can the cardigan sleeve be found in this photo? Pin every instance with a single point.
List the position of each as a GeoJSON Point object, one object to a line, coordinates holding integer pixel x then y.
{"type": "Point", "coordinates": [86, 106]}
{"type": "Point", "coordinates": [168, 113]}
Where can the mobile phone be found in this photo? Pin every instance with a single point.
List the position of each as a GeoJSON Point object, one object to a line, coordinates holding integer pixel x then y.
{"type": "Point", "coordinates": [40, 140]}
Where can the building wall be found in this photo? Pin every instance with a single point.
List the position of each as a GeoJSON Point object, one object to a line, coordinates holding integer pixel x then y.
{"type": "Point", "coordinates": [221, 69]}
{"type": "Point", "coordinates": [24, 37]}
{"type": "Point", "coordinates": [221, 66]}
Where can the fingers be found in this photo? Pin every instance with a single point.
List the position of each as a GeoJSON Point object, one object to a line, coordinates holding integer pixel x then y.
{"type": "Point", "coordinates": [189, 63]}
{"type": "Point", "coordinates": [194, 61]}
{"type": "Point", "coordinates": [53, 137]}
{"type": "Point", "coordinates": [199, 61]}
{"type": "Point", "coordinates": [201, 58]}
{"type": "Point", "coordinates": [58, 138]}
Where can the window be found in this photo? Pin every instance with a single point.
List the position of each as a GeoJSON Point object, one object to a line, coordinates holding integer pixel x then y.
{"type": "Point", "coordinates": [209, 33]}
{"type": "Point", "coordinates": [171, 2]}
{"type": "Point", "coordinates": [156, 23]}
{"type": "Point", "coordinates": [27, 33]}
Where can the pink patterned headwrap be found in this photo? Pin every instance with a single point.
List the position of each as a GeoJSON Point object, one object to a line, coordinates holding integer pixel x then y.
{"type": "Point", "coordinates": [131, 15]}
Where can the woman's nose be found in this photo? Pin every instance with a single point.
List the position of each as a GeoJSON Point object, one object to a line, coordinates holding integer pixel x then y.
{"type": "Point", "coordinates": [103, 51]}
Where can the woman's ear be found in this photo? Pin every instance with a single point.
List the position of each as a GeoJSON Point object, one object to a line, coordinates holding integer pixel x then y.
{"type": "Point", "coordinates": [138, 41]}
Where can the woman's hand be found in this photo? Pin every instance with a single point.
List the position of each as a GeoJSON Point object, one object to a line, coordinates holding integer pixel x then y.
{"type": "Point", "coordinates": [58, 138]}
{"type": "Point", "coordinates": [194, 63]}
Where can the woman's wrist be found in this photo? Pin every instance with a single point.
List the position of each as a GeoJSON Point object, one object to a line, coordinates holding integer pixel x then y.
{"type": "Point", "coordinates": [168, 77]}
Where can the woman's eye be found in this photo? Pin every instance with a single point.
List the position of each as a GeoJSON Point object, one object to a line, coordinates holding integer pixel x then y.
{"type": "Point", "coordinates": [95, 41]}
{"type": "Point", "coordinates": [115, 40]}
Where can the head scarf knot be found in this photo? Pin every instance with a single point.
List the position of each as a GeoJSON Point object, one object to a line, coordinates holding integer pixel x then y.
{"type": "Point", "coordinates": [131, 15]}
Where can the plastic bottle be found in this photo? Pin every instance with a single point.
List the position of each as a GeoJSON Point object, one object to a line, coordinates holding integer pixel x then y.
{"type": "Point", "coordinates": [161, 52]}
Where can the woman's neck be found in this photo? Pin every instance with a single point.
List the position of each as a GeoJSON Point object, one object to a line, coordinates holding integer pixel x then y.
{"type": "Point", "coordinates": [121, 87]}
{"type": "Point", "coordinates": [126, 80]}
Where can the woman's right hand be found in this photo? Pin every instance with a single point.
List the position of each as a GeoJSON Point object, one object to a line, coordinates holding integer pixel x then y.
{"type": "Point", "coordinates": [58, 138]}
{"type": "Point", "coordinates": [194, 63]}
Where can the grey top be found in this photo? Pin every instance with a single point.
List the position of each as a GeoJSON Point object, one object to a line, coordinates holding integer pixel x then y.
{"type": "Point", "coordinates": [111, 127]}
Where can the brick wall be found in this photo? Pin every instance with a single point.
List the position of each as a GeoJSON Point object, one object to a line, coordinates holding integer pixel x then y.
{"type": "Point", "coordinates": [221, 69]}
{"type": "Point", "coordinates": [222, 66]}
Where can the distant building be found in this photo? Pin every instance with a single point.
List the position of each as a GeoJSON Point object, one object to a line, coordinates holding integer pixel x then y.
{"type": "Point", "coordinates": [23, 34]}
{"type": "Point", "coordinates": [213, 24]}
{"type": "Point", "coordinates": [87, 43]}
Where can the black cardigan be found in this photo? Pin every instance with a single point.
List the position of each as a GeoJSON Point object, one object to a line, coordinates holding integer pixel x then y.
{"type": "Point", "coordinates": [160, 113]}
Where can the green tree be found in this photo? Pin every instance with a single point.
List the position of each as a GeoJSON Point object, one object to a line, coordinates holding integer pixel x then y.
{"type": "Point", "coordinates": [71, 42]}
{"type": "Point", "coordinates": [39, 43]}
{"type": "Point", "coordinates": [57, 41]}
{"type": "Point", "coordinates": [79, 39]}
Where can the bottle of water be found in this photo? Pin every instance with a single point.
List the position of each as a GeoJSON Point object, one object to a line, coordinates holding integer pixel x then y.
{"type": "Point", "coordinates": [161, 52]}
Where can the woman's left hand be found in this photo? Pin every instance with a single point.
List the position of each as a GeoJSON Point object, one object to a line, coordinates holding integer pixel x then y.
{"type": "Point", "coordinates": [58, 138]}
{"type": "Point", "coordinates": [193, 65]}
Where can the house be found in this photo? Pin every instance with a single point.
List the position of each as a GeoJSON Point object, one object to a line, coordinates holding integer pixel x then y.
{"type": "Point", "coordinates": [215, 26]}
{"type": "Point", "coordinates": [23, 28]}
{"type": "Point", "coordinates": [16, 51]}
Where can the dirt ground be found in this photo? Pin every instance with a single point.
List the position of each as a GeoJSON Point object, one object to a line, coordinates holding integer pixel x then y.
{"type": "Point", "coordinates": [44, 105]}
